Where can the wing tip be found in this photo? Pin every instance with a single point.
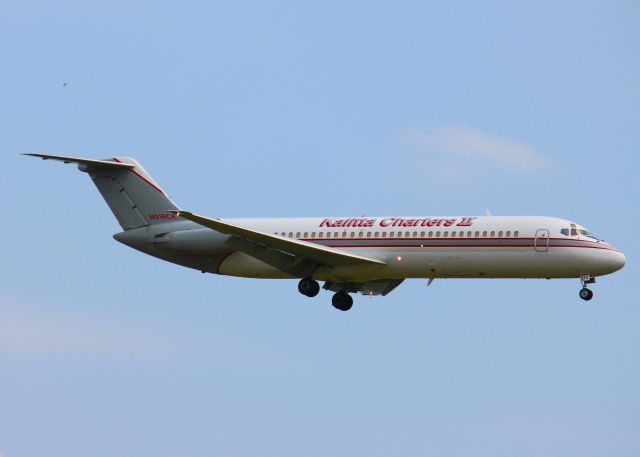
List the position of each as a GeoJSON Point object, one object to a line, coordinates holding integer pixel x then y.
{"type": "Point", "coordinates": [41, 156]}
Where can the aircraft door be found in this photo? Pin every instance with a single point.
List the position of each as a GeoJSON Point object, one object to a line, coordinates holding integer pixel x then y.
{"type": "Point", "coordinates": [541, 242]}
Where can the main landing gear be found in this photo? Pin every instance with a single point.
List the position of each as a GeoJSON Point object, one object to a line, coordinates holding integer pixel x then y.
{"type": "Point", "coordinates": [342, 301]}
{"type": "Point", "coordinates": [585, 292]}
{"type": "Point", "coordinates": [310, 287]}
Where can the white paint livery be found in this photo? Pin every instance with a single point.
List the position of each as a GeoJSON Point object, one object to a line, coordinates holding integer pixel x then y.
{"type": "Point", "coordinates": [370, 255]}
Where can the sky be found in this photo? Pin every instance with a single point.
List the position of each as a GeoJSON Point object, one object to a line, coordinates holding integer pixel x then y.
{"type": "Point", "coordinates": [316, 109]}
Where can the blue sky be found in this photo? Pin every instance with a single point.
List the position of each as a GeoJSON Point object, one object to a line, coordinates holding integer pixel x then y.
{"type": "Point", "coordinates": [315, 109]}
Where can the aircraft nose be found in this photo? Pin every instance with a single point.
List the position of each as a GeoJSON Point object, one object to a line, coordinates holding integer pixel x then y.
{"type": "Point", "coordinates": [615, 260]}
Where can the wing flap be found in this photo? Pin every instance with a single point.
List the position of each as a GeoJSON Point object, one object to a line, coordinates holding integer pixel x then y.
{"type": "Point", "coordinates": [321, 254]}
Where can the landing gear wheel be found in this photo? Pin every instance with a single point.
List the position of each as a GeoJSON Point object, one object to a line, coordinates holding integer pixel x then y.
{"type": "Point", "coordinates": [586, 294]}
{"type": "Point", "coordinates": [342, 301]}
{"type": "Point", "coordinates": [308, 287]}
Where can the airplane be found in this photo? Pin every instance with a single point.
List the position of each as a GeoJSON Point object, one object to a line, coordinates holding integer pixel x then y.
{"type": "Point", "coordinates": [367, 255]}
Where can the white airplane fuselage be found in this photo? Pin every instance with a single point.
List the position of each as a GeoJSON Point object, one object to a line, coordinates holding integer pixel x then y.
{"type": "Point", "coordinates": [410, 247]}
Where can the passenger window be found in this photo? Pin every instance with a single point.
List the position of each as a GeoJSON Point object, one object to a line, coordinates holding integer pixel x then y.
{"type": "Point", "coordinates": [298, 235]}
{"type": "Point", "coordinates": [384, 234]}
{"type": "Point", "coordinates": [407, 235]}
{"type": "Point", "coordinates": [353, 234]}
{"type": "Point", "coordinates": [469, 234]}
{"type": "Point", "coordinates": [516, 233]}
{"type": "Point", "coordinates": [415, 234]}
{"type": "Point", "coordinates": [320, 234]}
{"type": "Point", "coordinates": [477, 234]}
{"type": "Point", "coordinates": [508, 234]}
{"type": "Point", "coordinates": [360, 234]}
{"type": "Point", "coordinates": [306, 234]}
{"type": "Point", "coordinates": [421, 234]}
{"type": "Point", "coordinates": [376, 234]}
{"type": "Point", "coordinates": [290, 234]}
{"type": "Point", "coordinates": [313, 234]}
{"type": "Point", "coordinates": [391, 234]}
{"type": "Point", "coordinates": [453, 234]}
{"type": "Point", "coordinates": [493, 233]}
{"type": "Point", "coordinates": [368, 234]}
{"type": "Point", "coordinates": [430, 234]}
{"type": "Point", "coordinates": [500, 234]}
{"type": "Point", "coordinates": [446, 234]}
{"type": "Point", "coordinates": [484, 234]}
{"type": "Point", "coordinates": [344, 234]}
{"type": "Point", "coordinates": [336, 235]}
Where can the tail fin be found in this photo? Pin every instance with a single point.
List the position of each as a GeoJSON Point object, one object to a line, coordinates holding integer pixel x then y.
{"type": "Point", "coordinates": [134, 197]}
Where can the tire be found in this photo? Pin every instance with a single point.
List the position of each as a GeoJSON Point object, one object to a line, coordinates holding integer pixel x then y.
{"type": "Point", "coordinates": [342, 301]}
{"type": "Point", "coordinates": [586, 294]}
{"type": "Point", "coordinates": [308, 287]}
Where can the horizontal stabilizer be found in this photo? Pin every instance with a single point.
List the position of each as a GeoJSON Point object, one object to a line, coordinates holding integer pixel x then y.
{"type": "Point", "coordinates": [133, 196]}
{"type": "Point", "coordinates": [78, 160]}
{"type": "Point", "coordinates": [324, 255]}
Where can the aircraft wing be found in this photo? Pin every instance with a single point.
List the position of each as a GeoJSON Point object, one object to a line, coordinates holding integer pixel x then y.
{"type": "Point", "coordinates": [78, 160]}
{"type": "Point", "coordinates": [301, 249]}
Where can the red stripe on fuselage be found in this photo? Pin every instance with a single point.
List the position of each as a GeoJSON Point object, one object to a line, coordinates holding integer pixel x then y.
{"type": "Point", "coordinates": [527, 246]}
{"type": "Point", "coordinates": [440, 239]}
{"type": "Point", "coordinates": [438, 243]}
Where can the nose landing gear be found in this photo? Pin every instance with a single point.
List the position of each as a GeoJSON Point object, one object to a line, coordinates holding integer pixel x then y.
{"type": "Point", "coordinates": [585, 292]}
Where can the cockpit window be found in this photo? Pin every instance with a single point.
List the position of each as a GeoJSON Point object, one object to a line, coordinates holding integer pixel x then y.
{"type": "Point", "coordinates": [577, 231]}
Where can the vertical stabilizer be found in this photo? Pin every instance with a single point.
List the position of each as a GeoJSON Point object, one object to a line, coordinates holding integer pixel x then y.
{"type": "Point", "coordinates": [132, 194]}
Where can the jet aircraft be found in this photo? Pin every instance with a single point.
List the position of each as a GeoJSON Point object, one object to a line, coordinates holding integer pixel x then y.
{"type": "Point", "coordinates": [367, 255]}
